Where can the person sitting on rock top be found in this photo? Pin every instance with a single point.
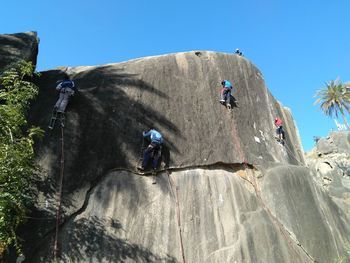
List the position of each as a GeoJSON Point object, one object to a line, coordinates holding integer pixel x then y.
{"type": "Point", "coordinates": [279, 130]}
{"type": "Point", "coordinates": [238, 52]}
{"type": "Point", "coordinates": [154, 149]}
{"type": "Point", "coordinates": [67, 89]}
{"type": "Point", "coordinates": [226, 93]}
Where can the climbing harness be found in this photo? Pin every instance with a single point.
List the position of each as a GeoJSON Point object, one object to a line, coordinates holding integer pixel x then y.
{"type": "Point", "coordinates": [155, 154]}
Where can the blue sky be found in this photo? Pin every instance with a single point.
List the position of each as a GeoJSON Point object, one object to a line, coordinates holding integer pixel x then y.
{"type": "Point", "coordinates": [298, 45]}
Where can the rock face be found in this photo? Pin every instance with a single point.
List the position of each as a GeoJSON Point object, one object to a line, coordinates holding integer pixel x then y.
{"type": "Point", "coordinates": [229, 193]}
{"type": "Point", "coordinates": [330, 160]}
{"type": "Point", "coordinates": [14, 47]}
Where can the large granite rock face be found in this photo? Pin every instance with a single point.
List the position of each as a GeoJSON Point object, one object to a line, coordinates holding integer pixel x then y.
{"type": "Point", "coordinates": [230, 192]}
{"type": "Point", "coordinates": [14, 47]}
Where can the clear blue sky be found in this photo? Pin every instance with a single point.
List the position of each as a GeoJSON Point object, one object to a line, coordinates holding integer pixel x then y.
{"type": "Point", "coordinates": [298, 45]}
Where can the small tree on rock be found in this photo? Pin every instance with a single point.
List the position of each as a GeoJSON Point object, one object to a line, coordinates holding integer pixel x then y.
{"type": "Point", "coordinates": [16, 150]}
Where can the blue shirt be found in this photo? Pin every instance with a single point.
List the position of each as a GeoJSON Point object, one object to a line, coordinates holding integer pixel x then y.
{"type": "Point", "coordinates": [154, 135]}
{"type": "Point", "coordinates": [228, 84]}
{"type": "Point", "coordinates": [66, 84]}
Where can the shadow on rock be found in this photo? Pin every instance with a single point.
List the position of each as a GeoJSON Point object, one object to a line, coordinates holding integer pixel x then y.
{"type": "Point", "coordinates": [103, 128]}
{"type": "Point", "coordinates": [97, 240]}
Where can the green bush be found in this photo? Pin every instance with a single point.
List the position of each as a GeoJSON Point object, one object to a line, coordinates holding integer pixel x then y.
{"type": "Point", "coordinates": [16, 150]}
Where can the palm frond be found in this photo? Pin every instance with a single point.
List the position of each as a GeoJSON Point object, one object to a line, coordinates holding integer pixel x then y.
{"type": "Point", "coordinates": [333, 98]}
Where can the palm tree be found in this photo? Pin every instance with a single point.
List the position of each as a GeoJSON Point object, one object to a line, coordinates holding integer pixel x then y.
{"type": "Point", "coordinates": [334, 98]}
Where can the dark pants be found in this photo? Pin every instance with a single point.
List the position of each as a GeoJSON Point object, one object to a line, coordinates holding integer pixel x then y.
{"type": "Point", "coordinates": [153, 152]}
{"type": "Point", "coordinates": [226, 95]}
{"type": "Point", "coordinates": [280, 132]}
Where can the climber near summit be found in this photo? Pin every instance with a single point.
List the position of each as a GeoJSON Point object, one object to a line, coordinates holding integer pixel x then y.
{"type": "Point", "coordinates": [226, 93]}
{"type": "Point", "coordinates": [238, 52]}
{"type": "Point", "coordinates": [279, 130]}
{"type": "Point", "coordinates": [154, 149]}
{"type": "Point", "coordinates": [66, 89]}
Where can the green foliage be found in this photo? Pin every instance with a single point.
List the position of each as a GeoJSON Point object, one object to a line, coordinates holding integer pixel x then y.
{"type": "Point", "coordinates": [16, 150]}
{"type": "Point", "coordinates": [334, 98]}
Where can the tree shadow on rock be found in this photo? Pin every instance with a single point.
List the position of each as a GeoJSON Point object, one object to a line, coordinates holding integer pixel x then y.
{"type": "Point", "coordinates": [110, 123]}
{"type": "Point", "coordinates": [97, 240]}
{"type": "Point", "coordinates": [103, 124]}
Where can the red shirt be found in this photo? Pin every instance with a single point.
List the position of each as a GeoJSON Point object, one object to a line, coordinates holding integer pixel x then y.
{"type": "Point", "coordinates": [278, 122]}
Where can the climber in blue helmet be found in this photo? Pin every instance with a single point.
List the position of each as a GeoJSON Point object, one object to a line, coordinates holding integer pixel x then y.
{"type": "Point", "coordinates": [154, 149]}
{"type": "Point", "coordinates": [66, 89]}
{"type": "Point", "coordinates": [225, 95]}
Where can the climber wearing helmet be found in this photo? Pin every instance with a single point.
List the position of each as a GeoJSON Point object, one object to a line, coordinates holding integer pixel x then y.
{"type": "Point", "coordinates": [279, 130]}
{"type": "Point", "coordinates": [66, 89]}
{"type": "Point", "coordinates": [226, 93]}
{"type": "Point", "coordinates": [154, 149]}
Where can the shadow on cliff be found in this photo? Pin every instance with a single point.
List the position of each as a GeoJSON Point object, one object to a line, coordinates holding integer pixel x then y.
{"type": "Point", "coordinates": [111, 122]}
{"type": "Point", "coordinates": [103, 131]}
{"type": "Point", "coordinates": [95, 239]}
{"type": "Point", "coordinates": [103, 124]}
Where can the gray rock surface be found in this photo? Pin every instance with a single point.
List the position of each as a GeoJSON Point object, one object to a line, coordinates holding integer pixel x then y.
{"type": "Point", "coordinates": [336, 142]}
{"type": "Point", "coordinates": [317, 221]}
{"type": "Point", "coordinates": [14, 47]}
{"type": "Point", "coordinates": [330, 160]}
{"type": "Point", "coordinates": [230, 193]}
{"type": "Point", "coordinates": [221, 220]}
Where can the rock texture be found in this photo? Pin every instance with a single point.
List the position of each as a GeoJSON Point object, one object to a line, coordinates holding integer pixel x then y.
{"type": "Point", "coordinates": [330, 160]}
{"type": "Point", "coordinates": [14, 47]}
{"type": "Point", "coordinates": [230, 192]}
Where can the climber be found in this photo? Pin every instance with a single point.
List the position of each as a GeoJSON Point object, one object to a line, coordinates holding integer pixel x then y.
{"type": "Point", "coordinates": [154, 149]}
{"type": "Point", "coordinates": [67, 89]}
{"type": "Point", "coordinates": [279, 130]}
{"type": "Point", "coordinates": [238, 52]}
{"type": "Point", "coordinates": [226, 93]}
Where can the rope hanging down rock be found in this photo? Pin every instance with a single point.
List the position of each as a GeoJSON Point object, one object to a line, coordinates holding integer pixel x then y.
{"type": "Point", "coordinates": [253, 182]}
{"type": "Point", "coordinates": [59, 194]}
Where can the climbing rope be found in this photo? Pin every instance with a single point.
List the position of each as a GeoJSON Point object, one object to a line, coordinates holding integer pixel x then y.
{"type": "Point", "coordinates": [267, 209]}
{"type": "Point", "coordinates": [253, 182]}
{"type": "Point", "coordinates": [176, 198]}
{"type": "Point", "coordinates": [288, 150]}
{"type": "Point", "coordinates": [59, 193]}
{"type": "Point", "coordinates": [292, 154]}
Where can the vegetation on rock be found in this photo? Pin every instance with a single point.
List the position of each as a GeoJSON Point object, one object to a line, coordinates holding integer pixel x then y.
{"type": "Point", "coordinates": [17, 168]}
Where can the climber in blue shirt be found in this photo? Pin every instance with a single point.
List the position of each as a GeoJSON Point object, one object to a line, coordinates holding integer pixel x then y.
{"type": "Point", "coordinates": [66, 89]}
{"type": "Point", "coordinates": [226, 93]}
{"type": "Point", "coordinates": [154, 149]}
